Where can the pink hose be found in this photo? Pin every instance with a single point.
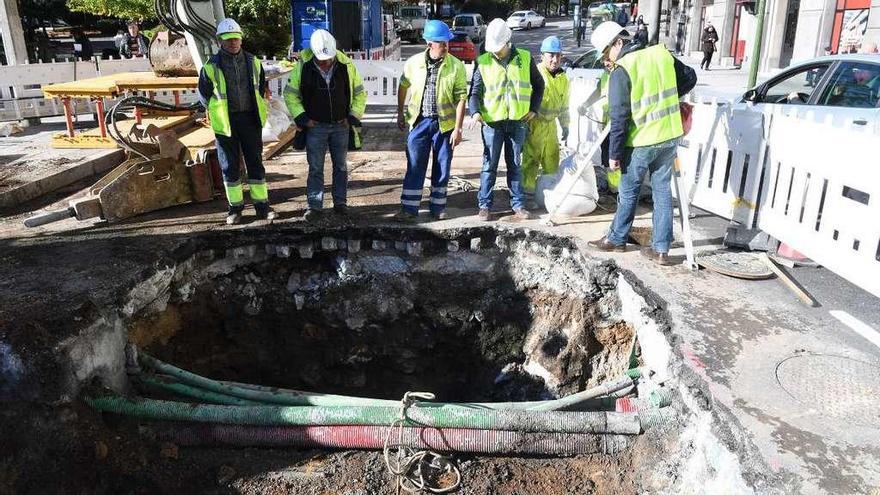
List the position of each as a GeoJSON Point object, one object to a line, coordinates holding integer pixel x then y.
{"type": "Point", "coordinates": [373, 438]}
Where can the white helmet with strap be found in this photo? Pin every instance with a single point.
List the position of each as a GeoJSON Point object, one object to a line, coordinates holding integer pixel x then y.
{"type": "Point", "coordinates": [229, 28]}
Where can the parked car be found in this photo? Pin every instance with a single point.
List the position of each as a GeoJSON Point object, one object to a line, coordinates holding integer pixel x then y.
{"type": "Point", "coordinates": [844, 87]}
{"type": "Point", "coordinates": [525, 19]}
{"type": "Point", "coordinates": [471, 24]}
{"type": "Point", "coordinates": [411, 22]}
{"type": "Point", "coordinates": [462, 47]}
{"type": "Point", "coordinates": [589, 60]}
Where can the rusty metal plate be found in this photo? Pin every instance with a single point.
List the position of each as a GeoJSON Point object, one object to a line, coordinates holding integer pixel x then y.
{"type": "Point", "coordinates": [735, 264]}
{"type": "Point", "coordinates": [834, 386]}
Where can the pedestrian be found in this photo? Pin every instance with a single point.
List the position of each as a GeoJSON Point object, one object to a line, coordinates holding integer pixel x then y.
{"type": "Point", "coordinates": [641, 36]}
{"type": "Point", "coordinates": [437, 84]}
{"type": "Point", "coordinates": [326, 97]}
{"type": "Point", "coordinates": [233, 89]}
{"type": "Point", "coordinates": [709, 38]}
{"type": "Point", "coordinates": [541, 151]}
{"type": "Point", "coordinates": [643, 102]}
{"type": "Point", "coordinates": [134, 43]}
{"type": "Point", "coordinates": [82, 47]}
{"type": "Point", "coordinates": [506, 93]}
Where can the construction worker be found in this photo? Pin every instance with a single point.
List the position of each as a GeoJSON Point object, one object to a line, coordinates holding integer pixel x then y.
{"type": "Point", "coordinates": [506, 93]}
{"type": "Point", "coordinates": [541, 152]}
{"type": "Point", "coordinates": [326, 97]}
{"type": "Point", "coordinates": [643, 102]}
{"type": "Point", "coordinates": [434, 116]}
{"type": "Point", "coordinates": [233, 89]}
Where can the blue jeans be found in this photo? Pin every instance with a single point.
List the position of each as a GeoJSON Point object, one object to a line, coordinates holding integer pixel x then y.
{"type": "Point", "coordinates": [246, 140]}
{"type": "Point", "coordinates": [511, 135]}
{"type": "Point", "coordinates": [318, 139]}
{"type": "Point", "coordinates": [657, 159]}
{"type": "Point", "coordinates": [424, 138]}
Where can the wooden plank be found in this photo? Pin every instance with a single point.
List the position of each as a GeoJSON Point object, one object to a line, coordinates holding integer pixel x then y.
{"type": "Point", "coordinates": [284, 141]}
{"type": "Point", "coordinates": [115, 84]}
{"type": "Point", "coordinates": [92, 138]}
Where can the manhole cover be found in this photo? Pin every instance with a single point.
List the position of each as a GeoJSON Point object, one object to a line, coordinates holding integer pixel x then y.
{"type": "Point", "coordinates": [833, 385]}
{"type": "Point", "coordinates": [739, 265]}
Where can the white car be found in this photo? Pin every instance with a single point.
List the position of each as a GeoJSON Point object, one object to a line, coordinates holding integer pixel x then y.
{"type": "Point", "coordinates": [470, 24]}
{"type": "Point", "coordinates": [525, 19]}
{"type": "Point", "coordinates": [843, 87]}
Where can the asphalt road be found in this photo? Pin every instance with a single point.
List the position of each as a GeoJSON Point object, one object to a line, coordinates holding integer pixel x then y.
{"type": "Point", "coordinates": [530, 39]}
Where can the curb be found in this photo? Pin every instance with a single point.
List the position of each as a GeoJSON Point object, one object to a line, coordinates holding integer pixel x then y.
{"type": "Point", "coordinates": [86, 168]}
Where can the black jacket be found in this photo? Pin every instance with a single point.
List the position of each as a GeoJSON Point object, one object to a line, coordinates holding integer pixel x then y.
{"type": "Point", "coordinates": [709, 38]}
{"type": "Point", "coordinates": [323, 103]}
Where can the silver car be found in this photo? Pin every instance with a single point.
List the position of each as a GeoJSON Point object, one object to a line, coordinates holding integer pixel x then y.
{"type": "Point", "coordinates": [470, 24]}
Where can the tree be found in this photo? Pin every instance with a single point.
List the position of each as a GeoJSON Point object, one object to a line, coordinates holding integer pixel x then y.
{"type": "Point", "coordinates": [125, 9]}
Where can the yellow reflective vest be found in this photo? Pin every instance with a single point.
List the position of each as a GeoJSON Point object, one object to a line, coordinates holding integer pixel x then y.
{"type": "Point", "coordinates": [653, 96]}
{"type": "Point", "coordinates": [554, 105]}
{"type": "Point", "coordinates": [451, 88]}
{"type": "Point", "coordinates": [218, 104]}
{"type": "Point", "coordinates": [506, 89]}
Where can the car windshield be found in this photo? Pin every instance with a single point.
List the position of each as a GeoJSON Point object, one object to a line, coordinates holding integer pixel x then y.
{"type": "Point", "coordinates": [463, 21]}
{"type": "Point", "coordinates": [518, 14]}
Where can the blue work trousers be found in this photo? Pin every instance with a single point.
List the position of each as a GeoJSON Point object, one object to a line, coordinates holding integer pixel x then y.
{"type": "Point", "coordinates": [318, 139]}
{"type": "Point", "coordinates": [509, 135]}
{"type": "Point", "coordinates": [424, 139]}
{"type": "Point", "coordinates": [246, 140]}
{"type": "Point", "coordinates": [656, 159]}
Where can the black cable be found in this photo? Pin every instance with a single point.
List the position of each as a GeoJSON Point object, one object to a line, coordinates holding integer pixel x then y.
{"type": "Point", "coordinates": [130, 103]}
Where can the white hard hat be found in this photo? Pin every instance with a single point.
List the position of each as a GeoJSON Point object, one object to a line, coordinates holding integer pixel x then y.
{"type": "Point", "coordinates": [497, 35]}
{"type": "Point", "coordinates": [604, 35]}
{"type": "Point", "coordinates": [323, 45]}
{"type": "Point", "coordinates": [228, 26]}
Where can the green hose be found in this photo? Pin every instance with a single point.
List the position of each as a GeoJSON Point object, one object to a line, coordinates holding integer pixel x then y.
{"type": "Point", "coordinates": [182, 389]}
{"type": "Point", "coordinates": [287, 397]}
{"type": "Point", "coordinates": [436, 417]}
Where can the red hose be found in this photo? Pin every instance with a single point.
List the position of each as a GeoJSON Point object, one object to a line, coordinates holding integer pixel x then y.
{"type": "Point", "coordinates": [373, 438]}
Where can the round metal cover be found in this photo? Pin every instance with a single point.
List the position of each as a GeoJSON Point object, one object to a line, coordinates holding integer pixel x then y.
{"type": "Point", "coordinates": [733, 264]}
{"type": "Point", "coordinates": [833, 385]}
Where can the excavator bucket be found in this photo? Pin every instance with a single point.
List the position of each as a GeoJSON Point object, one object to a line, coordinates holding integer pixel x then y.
{"type": "Point", "coordinates": [170, 57]}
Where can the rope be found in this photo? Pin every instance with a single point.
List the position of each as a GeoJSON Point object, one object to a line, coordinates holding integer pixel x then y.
{"type": "Point", "coordinates": [415, 470]}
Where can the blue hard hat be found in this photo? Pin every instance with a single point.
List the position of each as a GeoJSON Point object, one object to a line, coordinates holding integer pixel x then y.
{"type": "Point", "coordinates": [551, 44]}
{"type": "Point", "coordinates": [436, 31]}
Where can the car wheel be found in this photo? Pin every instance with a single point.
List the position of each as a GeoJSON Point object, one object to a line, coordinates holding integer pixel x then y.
{"type": "Point", "coordinates": [529, 26]}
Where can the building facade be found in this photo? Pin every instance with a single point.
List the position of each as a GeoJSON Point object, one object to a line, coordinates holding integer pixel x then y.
{"type": "Point", "coordinates": [793, 29]}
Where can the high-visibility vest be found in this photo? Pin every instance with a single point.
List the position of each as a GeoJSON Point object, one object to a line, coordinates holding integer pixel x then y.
{"type": "Point", "coordinates": [218, 104]}
{"type": "Point", "coordinates": [451, 88]}
{"type": "Point", "coordinates": [554, 105]}
{"type": "Point", "coordinates": [506, 90]}
{"type": "Point", "coordinates": [653, 97]}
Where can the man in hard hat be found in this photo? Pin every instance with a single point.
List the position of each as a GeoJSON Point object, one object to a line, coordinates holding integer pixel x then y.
{"type": "Point", "coordinates": [541, 152]}
{"type": "Point", "coordinates": [437, 84]}
{"type": "Point", "coordinates": [506, 93]}
{"type": "Point", "coordinates": [233, 89]}
{"type": "Point", "coordinates": [643, 102]}
{"type": "Point", "coordinates": [326, 97]}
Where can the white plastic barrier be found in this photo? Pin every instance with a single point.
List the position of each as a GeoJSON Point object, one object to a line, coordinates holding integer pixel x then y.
{"type": "Point", "coordinates": [822, 193]}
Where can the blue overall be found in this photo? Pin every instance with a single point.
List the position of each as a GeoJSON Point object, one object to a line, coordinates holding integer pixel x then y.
{"type": "Point", "coordinates": [424, 138]}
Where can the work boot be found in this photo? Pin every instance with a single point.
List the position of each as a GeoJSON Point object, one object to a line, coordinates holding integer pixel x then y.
{"type": "Point", "coordinates": [341, 210]}
{"type": "Point", "coordinates": [440, 215]}
{"type": "Point", "coordinates": [405, 216]}
{"type": "Point", "coordinates": [266, 213]}
{"type": "Point", "coordinates": [605, 245]}
{"type": "Point", "coordinates": [312, 216]}
{"type": "Point", "coordinates": [661, 259]}
{"type": "Point", "coordinates": [522, 214]}
{"type": "Point", "coordinates": [485, 215]}
{"type": "Point", "coordinates": [233, 218]}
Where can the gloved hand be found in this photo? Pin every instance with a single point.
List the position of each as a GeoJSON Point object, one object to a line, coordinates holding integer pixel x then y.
{"type": "Point", "coordinates": [564, 134]}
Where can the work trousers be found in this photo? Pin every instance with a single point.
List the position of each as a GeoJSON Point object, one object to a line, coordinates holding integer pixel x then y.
{"type": "Point", "coordinates": [424, 140]}
{"type": "Point", "coordinates": [707, 59]}
{"type": "Point", "coordinates": [246, 140]}
{"type": "Point", "coordinates": [656, 159]}
{"type": "Point", "coordinates": [318, 140]}
{"type": "Point", "coordinates": [541, 152]}
{"type": "Point", "coordinates": [509, 136]}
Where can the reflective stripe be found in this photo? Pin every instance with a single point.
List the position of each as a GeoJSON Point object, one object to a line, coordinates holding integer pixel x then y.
{"type": "Point", "coordinates": [234, 193]}
{"type": "Point", "coordinates": [412, 192]}
{"type": "Point", "coordinates": [650, 100]}
{"type": "Point", "coordinates": [259, 191]}
{"type": "Point", "coordinates": [407, 202]}
{"type": "Point", "coordinates": [659, 114]}
{"type": "Point", "coordinates": [438, 201]}
{"type": "Point", "coordinates": [440, 190]}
